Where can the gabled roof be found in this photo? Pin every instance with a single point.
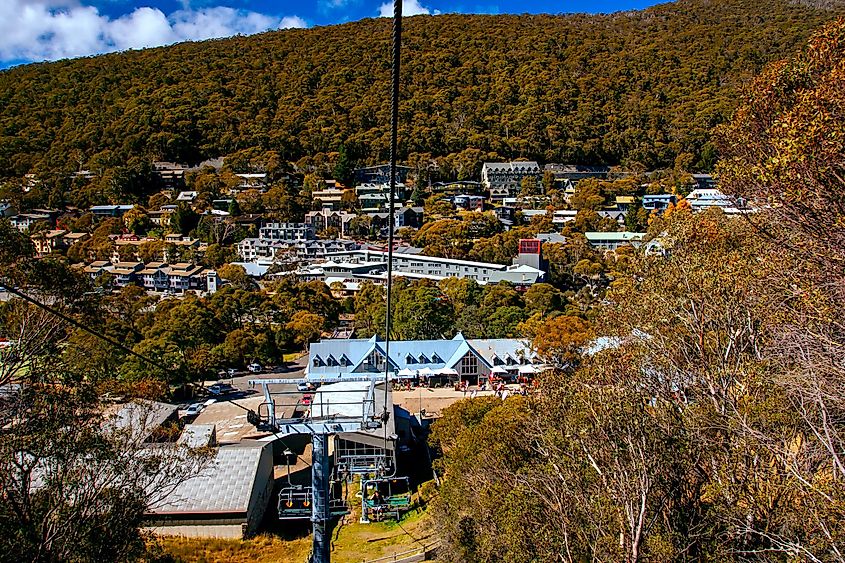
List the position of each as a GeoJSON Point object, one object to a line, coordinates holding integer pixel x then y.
{"type": "Point", "coordinates": [502, 347]}
{"type": "Point", "coordinates": [438, 353]}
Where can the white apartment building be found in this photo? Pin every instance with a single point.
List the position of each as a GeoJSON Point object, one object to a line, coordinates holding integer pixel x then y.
{"type": "Point", "coordinates": [368, 264]}
{"type": "Point", "coordinates": [286, 232]}
{"type": "Point", "coordinates": [504, 179]}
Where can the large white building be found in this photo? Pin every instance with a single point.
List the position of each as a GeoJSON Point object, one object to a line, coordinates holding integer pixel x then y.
{"type": "Point", "coordinates": [504, 179]}
{"type": "Point", "coordinates": [366, 264]}
{"type": "Point", "coordinates": [614, 240]}
{"type": "Point", "coordinates": [272, 237]}
{"type": "Point", "coordinates": [286, 232]}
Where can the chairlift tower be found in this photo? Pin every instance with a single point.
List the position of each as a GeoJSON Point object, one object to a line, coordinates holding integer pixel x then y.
{"type": "Point", "coordinates": [331, 413]}
{"type": "Point", "coordinates": [322, 422]}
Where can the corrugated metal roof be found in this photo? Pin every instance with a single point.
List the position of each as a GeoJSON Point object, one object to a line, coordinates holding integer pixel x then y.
{"type": "Point", "coordinates": [225, 485]}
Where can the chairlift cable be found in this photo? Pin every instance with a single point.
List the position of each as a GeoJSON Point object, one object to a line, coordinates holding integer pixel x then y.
{"type": "Point", "coordinates": [394, 134]}
{"type": "Point", "coordinates": [70, 320]}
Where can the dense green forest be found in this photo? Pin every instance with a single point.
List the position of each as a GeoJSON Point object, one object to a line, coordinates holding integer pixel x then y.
{"type": "Point", "coordinates": [644, 87]}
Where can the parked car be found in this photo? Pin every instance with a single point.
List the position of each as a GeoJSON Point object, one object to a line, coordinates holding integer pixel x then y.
{"type": "Point", "coordinates": [193, 410]}
{"type": "Point", "coordinates": [307, 399]}
{"type": "Point", "coordinates": [305, 386]}
{"type": "Point", "coordinates": [254, 368]}
{"type": "Point", "coordinates": [220, 389]}
{"type": "Point", "coordinates": [231, 372]}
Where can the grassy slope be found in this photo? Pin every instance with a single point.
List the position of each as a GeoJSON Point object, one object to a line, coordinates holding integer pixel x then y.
{"type": "Point", "coordinates": [353, 543]}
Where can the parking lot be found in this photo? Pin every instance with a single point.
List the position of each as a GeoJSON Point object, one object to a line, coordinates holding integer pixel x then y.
{"type": "Point", "coordinates": [227, 410]}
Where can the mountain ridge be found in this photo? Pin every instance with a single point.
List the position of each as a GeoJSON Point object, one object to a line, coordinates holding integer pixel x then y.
{"type": "Point", "coordinates": [636, 87]}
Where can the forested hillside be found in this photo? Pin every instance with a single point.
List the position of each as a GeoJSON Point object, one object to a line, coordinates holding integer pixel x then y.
{"type": "Point", "coordinates": [638, 87]}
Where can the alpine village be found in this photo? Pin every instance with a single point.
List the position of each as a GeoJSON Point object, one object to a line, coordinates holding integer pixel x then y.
{"type": "Point", "coordinates": [445, 287]}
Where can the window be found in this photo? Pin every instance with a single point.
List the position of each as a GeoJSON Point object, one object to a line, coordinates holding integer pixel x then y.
{"type": "Point", "coordinates": [344, 361]}
{"type": "Point", "coordinates": [375, 360]}
{"type": "Point", "coordinates": [331, 361]}
{"type": "Point", "coordinates": [497, 361]}
{"type": "Point", "coordinates": [469, 365]}
{"type": "Point", "coordinates": [423, 359]}
{"type": "Point", "coordinates": [409, 359]}
{"type": "Point", "coordinates": [317, 362]}
{"type": "Point", "coordinates": [435, 359]}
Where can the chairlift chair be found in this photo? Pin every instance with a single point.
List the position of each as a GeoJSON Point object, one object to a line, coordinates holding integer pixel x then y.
{"type": "Point", "coordinates": [394, 497]}
{"type": "Point", "coordinates": [295, 501]}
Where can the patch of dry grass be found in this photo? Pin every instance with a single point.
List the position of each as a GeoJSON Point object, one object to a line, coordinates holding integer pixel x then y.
{"type": "Point", "coordinates": [352, 542]}
{"type": "Point", "coordinates": [264, 547]}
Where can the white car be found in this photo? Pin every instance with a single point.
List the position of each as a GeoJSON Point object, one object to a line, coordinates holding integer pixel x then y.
{"type": "Point", "coordinates": [254, 368]}
{"type": "Point", "coordinates": [304, 386]}
{"type": "Point", "coordinates": [221, 389]}
{"type": "Point", "coordinates": [194, 409]}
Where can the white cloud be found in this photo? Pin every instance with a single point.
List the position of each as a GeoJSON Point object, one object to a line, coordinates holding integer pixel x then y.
{"type": "Point", "coordinates": [289, 22]}
{"type": "Point", "coordinates": [145, 27]}
{"type": "Point", "coordinates": [34, 30]}
{"type": "Point", "coordinates": [409, 8]}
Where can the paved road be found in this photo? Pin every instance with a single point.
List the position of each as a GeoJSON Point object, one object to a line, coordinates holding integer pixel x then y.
{"type": "Point", "coordinates": [243, 390]}
{"type": "Point", "coordinates": [290, 370]}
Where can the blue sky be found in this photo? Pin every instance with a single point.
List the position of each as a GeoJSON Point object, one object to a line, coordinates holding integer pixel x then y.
{"type": "Point", "coordinates": [38, 30]}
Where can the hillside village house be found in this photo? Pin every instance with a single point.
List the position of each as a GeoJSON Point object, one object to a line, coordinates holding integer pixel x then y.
{"type": "Point", "coordinates": [331, 196]}
{"type": "Point", "coordinates": [184, 276]}
{"type": "Point", "coordinates": [110, 210]}
{"type": "Point", "coordinates": [658, 202]}
{"type": "Point", "coordinates": [48, 241]}
{"type": "Point", "coordinates": [380, 174]}
{"type": "Point", "coordinates": [325, 218]}
{"type": "Point", "coordinates": [160, 217]}
{"type": "Point", "coordinates": [69, 239]}
{"type": "Point", "coordinates": [126, 273]}
{"type": "Point", "coordinates": [24, 221]}
{"type": "Point", "coordinates": [404, 217]}
{"type": "Point", "coordinates": [96, 269]}
{"type": "Point", "coordinates": [469, 202]}
{"type": "Point", "coordinates": [154, 276]}
{"type": "Point", "coordinates": [504, 179]}
{"type": "Point", "coordinates": [614, 240]}
{"type": "Point", "coordinates": [701, 199]}
{"type": "Point", "coordinates": [374, 197]}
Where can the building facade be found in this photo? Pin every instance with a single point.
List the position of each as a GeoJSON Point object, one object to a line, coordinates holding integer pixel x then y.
{"type": "Point", "coordinates": [504, 179]}
{"type": "Point", "coordinates": [457, 359]}
{"type": "Point", "coordinates": [365, 264]}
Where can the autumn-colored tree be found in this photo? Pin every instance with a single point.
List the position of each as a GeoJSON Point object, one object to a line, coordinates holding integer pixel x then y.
{"type": "Point", "coordinates": [306, 327]}
{"type": "Point", "coordinates": [560, 340]}
{"type": "Point", "coordinates": [236, 275]}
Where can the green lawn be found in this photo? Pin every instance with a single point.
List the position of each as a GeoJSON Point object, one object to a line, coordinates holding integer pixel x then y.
{"type": "Point", "coordinates": [352, 542]}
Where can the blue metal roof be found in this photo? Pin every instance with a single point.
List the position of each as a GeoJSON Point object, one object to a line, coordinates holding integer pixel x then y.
{"type": "Point", "coordinates": [407, 354]}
